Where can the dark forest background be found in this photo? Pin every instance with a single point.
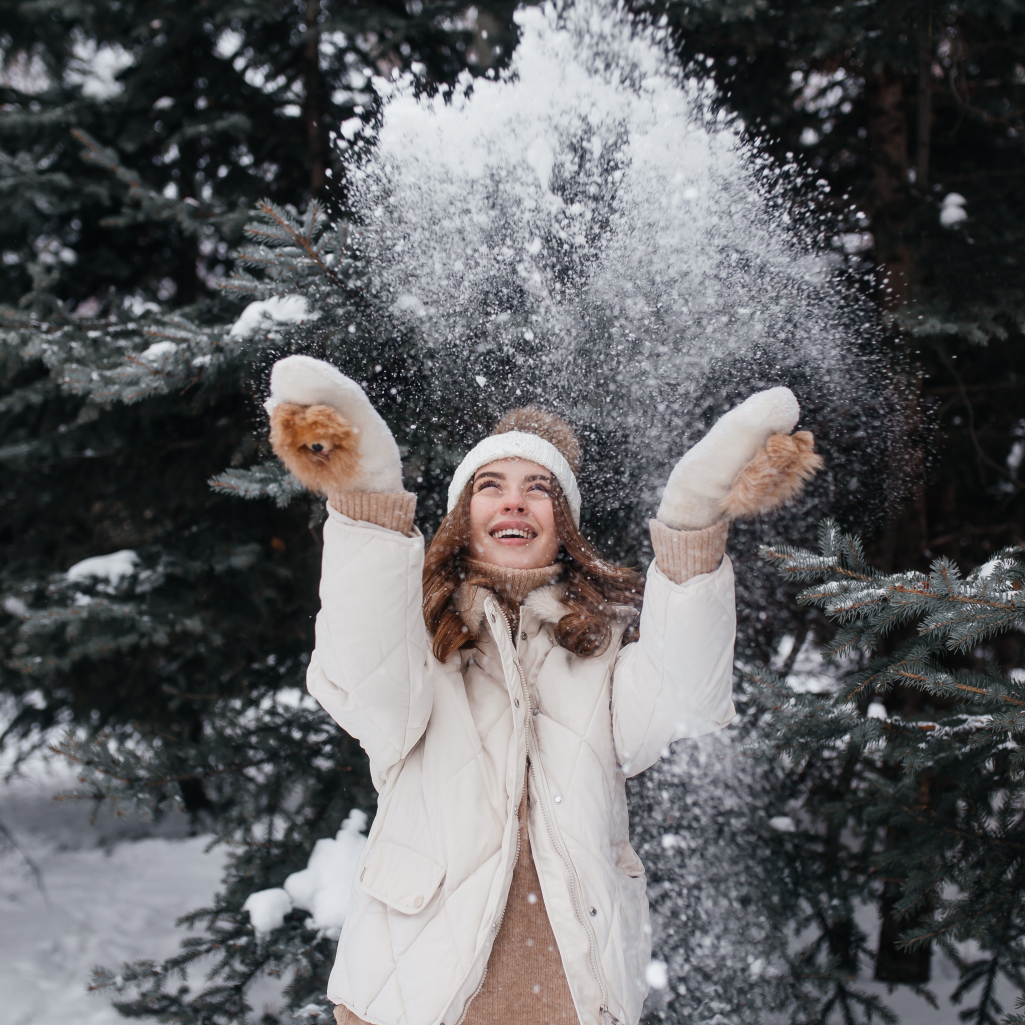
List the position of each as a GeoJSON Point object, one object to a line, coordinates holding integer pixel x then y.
{"type": "Point", "coordinates": [136, 138]}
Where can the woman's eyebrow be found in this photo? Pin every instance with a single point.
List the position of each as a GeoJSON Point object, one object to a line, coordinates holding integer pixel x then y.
{"type": "Point", "coordinates": [537, 476]}
{"type": "Point", "coordinates": [489, 473]}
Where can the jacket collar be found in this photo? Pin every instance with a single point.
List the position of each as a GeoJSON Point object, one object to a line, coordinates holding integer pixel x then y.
{"type": "Point", "coordinates": [545, 602]}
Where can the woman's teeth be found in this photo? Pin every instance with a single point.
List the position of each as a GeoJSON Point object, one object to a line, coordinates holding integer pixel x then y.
{"type": "Point", "coordinates": [514, 532]}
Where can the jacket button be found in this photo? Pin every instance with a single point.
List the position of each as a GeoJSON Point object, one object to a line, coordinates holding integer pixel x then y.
{"type": "Point", "coordinates": [363, 873]}
{"type": "Point", "coordinates": [517, 702]}
{"type": "Point", "coordinates": [419, 903]}
{"type": "Point", "coordinates": [492, 617]}
{"type": "Point", "coordinates": [523, 635]}
{"type": "Point", "coordinates": [535, 711]}
{"type": "Point", "coordinates": [594, 911]}
{"type": "Point", "coordinates": [558, 800]}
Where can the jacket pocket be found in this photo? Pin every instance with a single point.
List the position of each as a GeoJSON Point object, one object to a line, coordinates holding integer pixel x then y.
{"type": "Point", "coordinates": [627, 860]}
{"type": "Point", "coordinates": [400, 877]}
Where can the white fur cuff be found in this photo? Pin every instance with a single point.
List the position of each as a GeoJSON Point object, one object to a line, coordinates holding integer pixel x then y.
{"type": "Point", "coordinates": [517, 445]}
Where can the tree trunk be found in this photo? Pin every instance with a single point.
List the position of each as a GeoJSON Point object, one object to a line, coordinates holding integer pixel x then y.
{"type": "Point", "coordinates": [894, 964]}
{"type": "Point", "coordinates": [313, 104]}
{"type": "Point", "coordinates": [886, 202]}
{"type": "Point", "coordinates": [911, 967]}
{"type": "Point", "coordinates": [924, 109]}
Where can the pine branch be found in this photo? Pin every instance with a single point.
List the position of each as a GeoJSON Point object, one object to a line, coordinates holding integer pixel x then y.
{"type": "Point", "coordinates": [266, 480]}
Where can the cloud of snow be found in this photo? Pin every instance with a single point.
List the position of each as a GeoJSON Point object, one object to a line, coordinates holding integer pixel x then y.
{"type": "Point", "coordinates": [588, 222]}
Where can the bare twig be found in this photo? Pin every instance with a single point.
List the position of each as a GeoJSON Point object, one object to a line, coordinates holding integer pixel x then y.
{"type": "Point", "coordinates": [32, 866]}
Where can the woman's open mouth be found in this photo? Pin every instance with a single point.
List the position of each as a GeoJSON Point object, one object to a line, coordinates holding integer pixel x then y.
{"type": "Point", "coordinates": [511, 536]}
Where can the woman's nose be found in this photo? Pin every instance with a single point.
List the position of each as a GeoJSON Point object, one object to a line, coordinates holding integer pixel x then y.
{"type": "Point", "coordinates": [514, 502]}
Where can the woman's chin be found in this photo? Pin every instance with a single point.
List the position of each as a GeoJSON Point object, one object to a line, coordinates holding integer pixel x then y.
{"type": "Point", "coordinates": [519, 555]}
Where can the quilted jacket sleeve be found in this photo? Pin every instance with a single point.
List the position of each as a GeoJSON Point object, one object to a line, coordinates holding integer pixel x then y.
{"type": "Point", "coordinates": [371, 665]}
{"type": "Point", "coordinates": [677, 680]}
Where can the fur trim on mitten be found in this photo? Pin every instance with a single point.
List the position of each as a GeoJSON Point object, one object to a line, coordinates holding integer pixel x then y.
{"type": "Point", "coordinates": [774, 476]}
{"type": "Point", "coordinates": [701, 480]}
{"type": "Point", "coordinates": [304, 381]}
{"type": "Point", "coordinates": [319, 447]}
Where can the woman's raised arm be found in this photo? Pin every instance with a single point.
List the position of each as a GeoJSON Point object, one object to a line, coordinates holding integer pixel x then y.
{"type": "Point", "coordinates": [370, 667]}
{"type": "Point", "coordinates": [677, 680]}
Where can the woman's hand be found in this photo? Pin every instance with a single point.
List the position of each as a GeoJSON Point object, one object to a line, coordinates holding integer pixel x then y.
{"type": "Point", "coordinates": [747, 464]}
{"type": "Point", "coordinates": [324, 429]}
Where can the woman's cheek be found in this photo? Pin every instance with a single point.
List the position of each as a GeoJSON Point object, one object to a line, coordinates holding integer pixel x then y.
{"type": "Point", "coordinates": [480, 515]}
{"type": "Point", "coordinates": [544, 512]}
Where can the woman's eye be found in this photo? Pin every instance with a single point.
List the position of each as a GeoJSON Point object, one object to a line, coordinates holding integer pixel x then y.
{"type": "Point", "coordinates": [486, 484]}
{"type": "Point", "coordinates": [541, 489]}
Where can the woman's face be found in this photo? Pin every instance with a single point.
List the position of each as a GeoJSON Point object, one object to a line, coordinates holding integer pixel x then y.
{"type": "Point", "coordinates": [512, 516]}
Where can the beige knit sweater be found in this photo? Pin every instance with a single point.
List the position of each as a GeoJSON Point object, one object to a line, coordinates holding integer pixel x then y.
{"type": "Point", "coordinates": [524, 983]}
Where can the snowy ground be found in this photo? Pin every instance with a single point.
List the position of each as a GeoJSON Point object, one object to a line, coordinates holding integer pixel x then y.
{"type": "Point", "coordinates": [111, 892]}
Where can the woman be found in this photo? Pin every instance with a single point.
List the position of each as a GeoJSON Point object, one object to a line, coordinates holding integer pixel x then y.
{"type": "Point", "coordinates": [504, 689]}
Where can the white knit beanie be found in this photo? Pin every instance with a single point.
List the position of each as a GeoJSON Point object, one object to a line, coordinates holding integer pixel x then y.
{"type": "Point", "coordinates": [517, 445]}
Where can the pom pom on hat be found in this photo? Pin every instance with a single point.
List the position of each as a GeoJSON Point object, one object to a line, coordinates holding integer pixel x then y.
{"type": "Point", "coordinates": [555, 430]}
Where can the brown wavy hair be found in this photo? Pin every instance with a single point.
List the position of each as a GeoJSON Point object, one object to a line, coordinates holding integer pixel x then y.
{"type": "Point", "coordinates": [597, 592]}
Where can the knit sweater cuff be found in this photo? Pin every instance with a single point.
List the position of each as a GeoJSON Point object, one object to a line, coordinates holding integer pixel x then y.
{"type": "Point", "coordinates": [394, 510]}
{"type": "Point", "coordinates": [682, 554]}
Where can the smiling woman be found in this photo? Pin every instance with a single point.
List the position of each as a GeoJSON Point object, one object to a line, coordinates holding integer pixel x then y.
{"type": "Point", "coordinates": [504, 685]}
{"type": "Point", "coordinates": [513, 528]}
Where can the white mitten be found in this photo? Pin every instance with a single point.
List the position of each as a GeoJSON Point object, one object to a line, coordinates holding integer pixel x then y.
{"type": "Point", "coordinates": [701, 489]}
{"type": "Point", "coordinates": [327, 433]}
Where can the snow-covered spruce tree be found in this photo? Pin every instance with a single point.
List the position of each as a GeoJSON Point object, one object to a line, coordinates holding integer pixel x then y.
{"type": "Point", "coordinates": [208, 622]}
{"type": "Point", "coordinates": [921, 813]}
{"type": "Point", "coordinates": [108, 446]}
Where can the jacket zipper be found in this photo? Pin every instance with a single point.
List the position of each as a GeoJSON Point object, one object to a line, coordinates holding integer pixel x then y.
{"type": "Point", "coordinates": [592, 940]}
{"type": "Point", "coordinates": [516, 856]}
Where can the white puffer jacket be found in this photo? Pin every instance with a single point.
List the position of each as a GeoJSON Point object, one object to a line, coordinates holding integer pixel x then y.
{"type": "Point", "coordinates": [447, 745]}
